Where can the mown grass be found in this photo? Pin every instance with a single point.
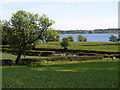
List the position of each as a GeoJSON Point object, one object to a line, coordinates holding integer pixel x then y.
{"type": "Point", "coordinates": [64, 74]}
{"type": "Point", "coordinates": [89, 74]}
{"type": "Point", "coordinates": [13, 57]}
{"type": "Point", "coordinates": [96, 46]}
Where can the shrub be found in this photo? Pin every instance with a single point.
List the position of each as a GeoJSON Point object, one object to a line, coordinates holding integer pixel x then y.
{"type": "Point", "coordinates": [87, 54]}
{"type": "Point", "coordinates": [46, 53]}
{"type": "Point", "coordinates": [85, 39]}
{"type": "Point", "coordinates": [113, 38]}
{"type": "Point", "coordinates": [29, 61]}
{"type": "Point", "coordinates": [81, 38]}
{"type": "Point", "coordinates": [74, 58]}
{"type": "Point", "coordinates": [65, 42]}
{"type": "Point", "coordinates": [7, 62]}
{"type": "Point", "coordinates": [117, 56]}
{"type": "Point", "coordinates": [71, 38]}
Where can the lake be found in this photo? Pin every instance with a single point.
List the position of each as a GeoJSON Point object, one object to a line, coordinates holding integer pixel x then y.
{"type": "Point", "coordinates": [91, 37]}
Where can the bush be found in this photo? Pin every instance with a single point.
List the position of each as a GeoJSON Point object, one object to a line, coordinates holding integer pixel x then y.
{"type": "Point", "coordinates": [71, 38]}
{"type": "Point", "coordinates": [85, 39]}
{"type": "Point", "coordinates": [28, 61]}
{"type": "Point", "coordinates": [7, 62]}
{"type": "Point", "coordinates": [117, 56]}
{"type": "Point", "coordinates": [65, 42]}
{"type": "Point", "coordinates": [39, 53]}
{"type": "Point", "coordinates": [81, 38]}
{"type": "Point", "coordinates": [46, 53]}
{"type": "Point", "coordinates": [84, 58]}
{"type": "Point", "coordinates": [30, 53]}
{"type": "Point", "coordinates": [87, 54]}
{"type": "Point", "coordinates": [113, 38]}
{"type": "Point", "coordinates": [74, 58]}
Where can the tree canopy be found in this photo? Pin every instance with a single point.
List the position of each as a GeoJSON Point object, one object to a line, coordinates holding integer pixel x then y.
{"type": "Point", "coordinates": [51, 35]}
{"type": "Point", "coordinates": [71, 38]}
{"type": "Point", "coordinates": [113, 38]}
{"type": "Point", "coordinates": [65, 42]}
{"type": "Point", "coordinates": [81, 38]}
{"type": "Point", "coordinates": [24, 29]}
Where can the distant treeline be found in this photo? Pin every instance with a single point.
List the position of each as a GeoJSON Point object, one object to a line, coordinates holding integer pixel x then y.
{"type": "Point", "coordinates": [96, 31]}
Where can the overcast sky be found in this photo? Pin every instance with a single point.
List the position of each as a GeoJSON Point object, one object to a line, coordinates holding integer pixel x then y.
{"type": "Point", "coordinates": [68, 14]}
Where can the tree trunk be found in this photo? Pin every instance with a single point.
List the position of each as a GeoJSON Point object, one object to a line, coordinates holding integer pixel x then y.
{"type": "Point", "coordinates": [18, 58]}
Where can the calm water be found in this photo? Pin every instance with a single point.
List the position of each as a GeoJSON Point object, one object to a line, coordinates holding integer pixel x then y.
{"type": "Point", "coordinates": [91, 37]}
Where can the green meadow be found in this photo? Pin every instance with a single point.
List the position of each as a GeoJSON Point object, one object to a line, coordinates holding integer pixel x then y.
{"type": "Point", "coordinates": [95, 46]}
{"type": "Point", "coordinates": [89, 74]}
{"type": "Point", "coordinates": [64, 74]}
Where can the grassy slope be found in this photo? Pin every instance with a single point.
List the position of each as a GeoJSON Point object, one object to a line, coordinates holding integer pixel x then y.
{"type": "Point", "coordinates": [97, 46]}
{"type": "Point", "coordinates": [89, 74]}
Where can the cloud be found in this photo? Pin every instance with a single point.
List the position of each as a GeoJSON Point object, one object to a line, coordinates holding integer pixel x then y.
{"type": "Point", "coordinates": [64, 14]}
{"type": "Point", "coordinates": [101, 23]}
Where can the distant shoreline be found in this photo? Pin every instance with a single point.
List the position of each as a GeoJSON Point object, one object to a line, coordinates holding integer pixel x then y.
{"type": "Point", "coordinates": [89, 33]}
{"type": "Point", "coordinates": [96, 31]}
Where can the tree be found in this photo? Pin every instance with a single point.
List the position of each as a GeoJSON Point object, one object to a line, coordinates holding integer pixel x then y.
{"type": "Point", "coordinates": [24, 29]}
{"type": "Point", "coordinates": [0, 32]}
{"type": "Point", "coordinates": [4, 35]}
{"type": "Point", "coordinates": [71, 38]}
{"type": "Point", "coordinates": [113, 38]}
{"type": "Point", "coordinates": [119, 37]}
{"type": "Point", "coordinates": [85, 39]}
{"type": "Point", "coordinates": [65, 42]}
{"type": "Point", "coordinates": [80, 38]}
{"type": "Point", "coordinates": [51, 35]}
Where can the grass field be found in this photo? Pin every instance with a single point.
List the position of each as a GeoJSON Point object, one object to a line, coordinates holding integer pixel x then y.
{"type": "Point", "coordinates": [96, 46]}
{"type": "Point", "coordinates": [13, 57]}
{"type": "Point", "coordinates": [64, 74]}
{"type": "Point", "coordinates": [89, 74]}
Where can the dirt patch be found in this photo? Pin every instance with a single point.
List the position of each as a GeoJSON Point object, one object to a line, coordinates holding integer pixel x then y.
{"type": "Point", "coordinates": [66, 70]}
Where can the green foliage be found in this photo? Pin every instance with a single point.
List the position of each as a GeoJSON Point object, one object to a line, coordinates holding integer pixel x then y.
{"type": "Point", "coordinates": [119, 37]}
{"type": "Point", "coordinates": [81, 38]}
{"type": "Point", "coordinates": [4, 34]}
{"type": "Point", "coordinates": [51, 35]}
{"type": "Point", "coordinates": [0, 32]}
{"type": "Point", "coordinates": [65, 42]}
{"type": "Point", "coordinates": [113, 38]}
{"type": "Point", "coordinates": [85, 39]}
{"type": "Point", "coordinates": [24, 29]}
{"type": "Point", "coordinates": [71, 38]}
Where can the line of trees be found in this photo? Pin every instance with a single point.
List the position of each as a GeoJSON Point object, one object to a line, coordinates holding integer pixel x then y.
{"type": "Point", "coordinates": [96, 31]}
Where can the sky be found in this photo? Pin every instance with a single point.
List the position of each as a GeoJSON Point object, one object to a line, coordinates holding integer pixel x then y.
{"type": "Point", "coordinates": [68, 14]}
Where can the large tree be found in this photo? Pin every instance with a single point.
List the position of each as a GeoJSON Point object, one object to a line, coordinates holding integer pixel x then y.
{"type": "Point", "coordinates": [24, 29]}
